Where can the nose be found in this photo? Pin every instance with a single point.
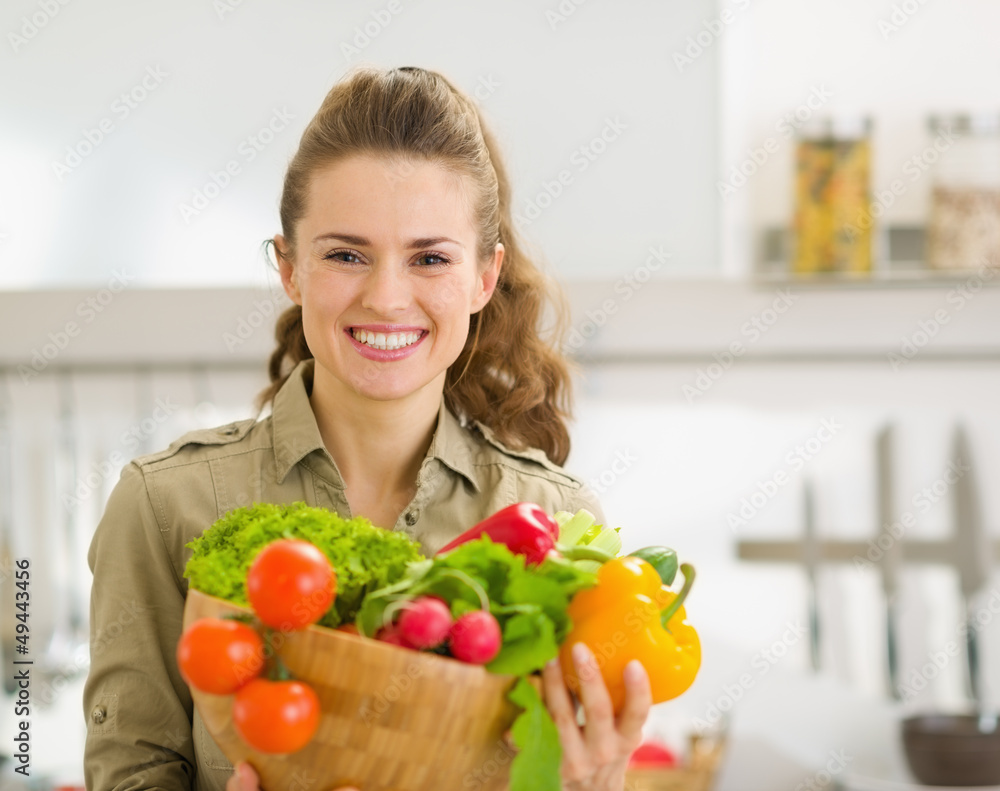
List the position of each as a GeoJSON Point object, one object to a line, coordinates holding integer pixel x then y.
{"type": "Point", "coordinates": [386, 291]}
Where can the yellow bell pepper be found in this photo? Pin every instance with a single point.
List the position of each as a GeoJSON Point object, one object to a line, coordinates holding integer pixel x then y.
{"type": "Point", "coordinates": [630, 614]}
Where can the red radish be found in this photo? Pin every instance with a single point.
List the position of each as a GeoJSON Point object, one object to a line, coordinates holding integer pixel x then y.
{"type": "Point", "coordinates": [425, 622]}
{"type": "Point", "coordinates": [390, 634]}
{"type": "Point", "coordinates": [475, 637]}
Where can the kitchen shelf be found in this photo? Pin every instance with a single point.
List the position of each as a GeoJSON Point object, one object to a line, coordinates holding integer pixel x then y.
{"type": "Point", "coordinates": [900, 266]}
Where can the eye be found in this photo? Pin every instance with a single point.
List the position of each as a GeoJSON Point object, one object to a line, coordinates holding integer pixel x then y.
{"type": "Point", "coordinates": [435, 260]}
{"type": "Point", "coordinates": [335, 256]}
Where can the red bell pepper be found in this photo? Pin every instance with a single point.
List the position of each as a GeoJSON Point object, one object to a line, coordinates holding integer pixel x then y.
{"type": "Point", "coordinates": [526, 529]}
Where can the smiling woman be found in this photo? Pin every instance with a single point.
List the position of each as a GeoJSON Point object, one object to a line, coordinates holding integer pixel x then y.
{"type": "Point", "coordinates": [410, 385]}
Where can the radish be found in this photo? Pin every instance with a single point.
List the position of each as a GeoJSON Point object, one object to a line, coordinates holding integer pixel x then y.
{"type": "Point", "coordinates": [475, 637]}
{"type": "Point", "coordinates": [390, 634]}
{"type": "Point", "coordinates": [425, 622]}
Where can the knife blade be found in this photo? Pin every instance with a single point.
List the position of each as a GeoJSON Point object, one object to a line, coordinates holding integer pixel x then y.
{"type": "Point", "coordinates": [889, 561]}
{"type": "Point", "coordinates": [812, 557]}
{"type": "Point", "coordinates": [972, 553]}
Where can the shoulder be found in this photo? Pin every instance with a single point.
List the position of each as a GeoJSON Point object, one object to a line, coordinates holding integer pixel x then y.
{"type": "Point", "coordinates": [533, 476]}
{"type": "Point", "coordinates": [204, 445]}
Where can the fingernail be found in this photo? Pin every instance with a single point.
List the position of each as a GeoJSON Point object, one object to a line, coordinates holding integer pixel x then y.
{"type": "Point", "coordinates": [551, 664]}
{"type": "Point", "coordinates": [634, 671]}
{"type": "Point", "coordinates": [581, 654]}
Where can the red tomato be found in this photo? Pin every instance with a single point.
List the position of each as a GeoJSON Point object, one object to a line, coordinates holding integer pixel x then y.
{"type": "Point", "coordinates": [650, 754]}
{"type": "Point", "coordinates": [276, 716]}
{"type": "Point", "coordinates": [220, 655]}
{"type": "Point", "coordinates": [291, 584]}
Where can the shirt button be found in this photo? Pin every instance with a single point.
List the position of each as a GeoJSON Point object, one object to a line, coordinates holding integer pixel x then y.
{"type": "Point", "coordinates": [229, 430]}
{"type": "Point", "coordinates": [98, 714]}
{"type": "Point", "coordinates": [412, 517]}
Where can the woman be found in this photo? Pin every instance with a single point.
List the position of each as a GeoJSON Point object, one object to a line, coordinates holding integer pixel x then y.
{"type": "Point", "coordinates": [410, 385]}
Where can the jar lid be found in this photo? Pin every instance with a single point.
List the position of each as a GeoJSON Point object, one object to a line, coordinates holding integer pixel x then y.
{"type": "Point", "coordinates": [836, 127]}
{"type": "Point", "coordinates": [976, 123]}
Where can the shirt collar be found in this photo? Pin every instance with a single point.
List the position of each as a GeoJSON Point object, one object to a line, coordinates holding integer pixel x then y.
{"type": "Point", "coordinates": [296, 433]}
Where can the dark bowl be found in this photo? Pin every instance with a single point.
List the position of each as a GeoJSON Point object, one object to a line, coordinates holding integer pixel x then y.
{"type": "Point", "coordinates": [952, 749]}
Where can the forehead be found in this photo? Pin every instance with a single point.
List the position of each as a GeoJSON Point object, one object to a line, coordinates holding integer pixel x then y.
{"type": "Point", "coordinates": [383, 198]}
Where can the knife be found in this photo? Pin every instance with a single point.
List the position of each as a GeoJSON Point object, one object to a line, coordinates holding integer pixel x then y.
{"type": "Point", "coordinates": [889, 562]}
{"type": "Point", "coordinates": [972, 553]}
{"type": "Point", "coordinates": [811, 551]}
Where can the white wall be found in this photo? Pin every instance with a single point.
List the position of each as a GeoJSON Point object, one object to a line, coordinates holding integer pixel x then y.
{"type": "Point", "coordinates": [546, 86]}
{"type": "Point", "coordinates": [897, 62]}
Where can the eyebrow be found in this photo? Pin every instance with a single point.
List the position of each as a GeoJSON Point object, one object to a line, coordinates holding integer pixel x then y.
{"type": "Point", "coordinates": [360, 241]}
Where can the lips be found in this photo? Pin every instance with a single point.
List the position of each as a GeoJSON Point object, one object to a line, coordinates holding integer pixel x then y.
{"type": "Point", "coordinates": [386, 343]}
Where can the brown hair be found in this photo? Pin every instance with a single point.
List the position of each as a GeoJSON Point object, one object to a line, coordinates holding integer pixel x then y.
{"type": "Point", "coordinates": [507, 376]}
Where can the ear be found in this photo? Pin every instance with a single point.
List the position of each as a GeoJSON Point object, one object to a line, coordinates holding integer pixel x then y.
{"type": "Point", "coordinates": [288, 276]}
{"type": "Point", "coordinates": [487, 281]}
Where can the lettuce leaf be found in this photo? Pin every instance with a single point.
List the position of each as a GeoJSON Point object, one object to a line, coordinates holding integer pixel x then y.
{"type": "Point", "coordinates": [365, 558]}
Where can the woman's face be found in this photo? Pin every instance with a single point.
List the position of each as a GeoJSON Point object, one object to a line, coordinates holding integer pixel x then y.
{"type": "Point", "coordinates": [386, 273]}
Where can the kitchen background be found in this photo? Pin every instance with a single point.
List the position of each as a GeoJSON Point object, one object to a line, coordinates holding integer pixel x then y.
{"type": "Point", "coordinates": [721, 392]}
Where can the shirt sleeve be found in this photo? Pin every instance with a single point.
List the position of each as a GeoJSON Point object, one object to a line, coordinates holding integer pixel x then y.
{"type": "Point", "coordinates": [137, 706]}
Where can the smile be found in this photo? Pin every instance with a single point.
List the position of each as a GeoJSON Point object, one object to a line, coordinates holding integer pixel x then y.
{"type": "Point", "coordinates": [386, 341]}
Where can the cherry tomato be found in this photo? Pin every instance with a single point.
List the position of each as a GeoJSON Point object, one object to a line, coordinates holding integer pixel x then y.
{"type": "Point", "coordinates": [290, 584]}
{"type": "Point", "coordinates": [220, 655]}
{"type": "Point", "coordinates": [276, 716]}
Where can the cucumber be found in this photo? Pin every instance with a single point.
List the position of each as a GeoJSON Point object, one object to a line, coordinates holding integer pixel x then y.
{"type": "Point", "coordinates": [663, 559]}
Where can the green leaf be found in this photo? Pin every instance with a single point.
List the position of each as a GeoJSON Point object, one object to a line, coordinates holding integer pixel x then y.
{"type": "Point", "coordinates": [546, 593]}
{"type": "Point", "coordinates": [529, 642]}
{"type": "Point", "coordinates": [365, 557]}
{"type": "Point", "coordinates": [536, 765]}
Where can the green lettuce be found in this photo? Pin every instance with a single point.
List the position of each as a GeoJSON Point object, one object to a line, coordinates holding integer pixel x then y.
{"type": "Point", "coordinates": [364, 557]}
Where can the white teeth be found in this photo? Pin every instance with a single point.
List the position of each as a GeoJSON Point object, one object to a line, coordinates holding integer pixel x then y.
{"type": "Point", "coordinates": [381, 340]}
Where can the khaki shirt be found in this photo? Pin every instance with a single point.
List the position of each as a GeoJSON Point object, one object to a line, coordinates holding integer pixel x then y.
{"type": "Point", "coordinates": [142, 730]}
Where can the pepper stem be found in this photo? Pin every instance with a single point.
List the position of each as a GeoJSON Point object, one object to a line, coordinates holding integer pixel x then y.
{"type": "Point", "coordinates": [667, 613]}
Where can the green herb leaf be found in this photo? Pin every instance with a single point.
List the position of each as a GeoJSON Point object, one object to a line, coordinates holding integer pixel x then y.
{"type": "Point", "coordinates": [529, 641]}
{"type": "Point", "coordinates": [536, 765]}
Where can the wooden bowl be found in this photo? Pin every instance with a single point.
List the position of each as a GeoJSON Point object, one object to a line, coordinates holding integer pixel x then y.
{"type": "Point", "coordinates": [391, 718]}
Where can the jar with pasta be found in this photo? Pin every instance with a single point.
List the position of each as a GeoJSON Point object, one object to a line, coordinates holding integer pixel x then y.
{"type": "Point", "coordinates": [832, 173]}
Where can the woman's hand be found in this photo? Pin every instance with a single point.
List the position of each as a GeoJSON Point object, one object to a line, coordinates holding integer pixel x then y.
{"type": "Point", "coordinates": [245, 778]}
{"type": "Point", "coordinates": [596, 756]}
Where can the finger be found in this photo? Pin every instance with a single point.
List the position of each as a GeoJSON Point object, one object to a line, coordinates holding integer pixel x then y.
{"type": "Point", "coordinates": [599, 732]}
{"type": "Point", "coordinates": [243, 778]}
{"type": "Point", "coordinates": [560, 706]}
{"type": "Point", "coordinates": [638, 700]}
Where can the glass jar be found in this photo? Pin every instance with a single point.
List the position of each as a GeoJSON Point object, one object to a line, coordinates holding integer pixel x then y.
{"type": "Point", "coordinates": [832, 175]}
{"type": "Point", "coordinates": [963, 230]}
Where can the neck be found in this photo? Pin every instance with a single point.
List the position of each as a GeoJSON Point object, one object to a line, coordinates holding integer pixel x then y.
{"type": "Point", "coordinates": [378, 446]}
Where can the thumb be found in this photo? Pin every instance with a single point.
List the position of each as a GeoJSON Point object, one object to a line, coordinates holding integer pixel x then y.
{"type": "Point", "coordinates": [249, 779]}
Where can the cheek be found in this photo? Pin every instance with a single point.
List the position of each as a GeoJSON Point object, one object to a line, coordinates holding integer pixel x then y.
{"type": "Point", "coordinates": [451, 301]}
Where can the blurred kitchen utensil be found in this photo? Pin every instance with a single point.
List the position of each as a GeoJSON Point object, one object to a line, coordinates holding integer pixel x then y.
{"type": "Point", "coordinates": [890, 560]}
{"type": "Point", "coordinates": [811, 559]}
{"type": "Point", "coordinates": [973, 554]}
